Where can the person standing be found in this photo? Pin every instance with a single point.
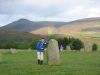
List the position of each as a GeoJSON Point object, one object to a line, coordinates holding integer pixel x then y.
{"type": "Point", "coordinates": [61, 48]}
{"type": "Point", "coordinates": [40, 48]}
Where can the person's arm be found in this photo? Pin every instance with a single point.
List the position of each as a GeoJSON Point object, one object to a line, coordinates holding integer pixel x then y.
{"type": "Point", "coordinates": [45, 43]}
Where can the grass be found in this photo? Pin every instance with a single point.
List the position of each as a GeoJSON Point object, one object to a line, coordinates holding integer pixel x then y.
{"type": "Point", "coordinates": [72, 63]}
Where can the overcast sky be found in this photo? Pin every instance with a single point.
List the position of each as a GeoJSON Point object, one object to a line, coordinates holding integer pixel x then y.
{"type": "Point", "coordinates": [48, 10]}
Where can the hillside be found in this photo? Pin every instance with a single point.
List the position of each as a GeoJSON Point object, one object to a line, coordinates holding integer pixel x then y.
{"type": "Point", "coordinates": [82, 25]}
{"type": "Point", "coordinates": [25, 25]}
{"type": "Point", "coordinates": [41, 27]}
{"type": "Point", "coordinates": [7, 35]}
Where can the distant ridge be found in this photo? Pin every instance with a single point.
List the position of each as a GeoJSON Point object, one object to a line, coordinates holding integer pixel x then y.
{"type": "Point", "coordinates": [25, 25]}
{"type": "Point", "coordinates": [81, 25]}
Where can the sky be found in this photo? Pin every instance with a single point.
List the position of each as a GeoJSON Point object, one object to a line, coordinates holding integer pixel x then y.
{"type": "Point", "coordinates": [47, 10]}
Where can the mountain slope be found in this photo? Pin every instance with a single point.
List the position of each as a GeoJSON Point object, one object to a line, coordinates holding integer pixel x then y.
{"type": "Point", "coordinates": [21, 25]}
{"type": "Point", "coordinates": [25, 25]}
{"type": "Point", "coordinates": [81, 25]}
{"type": "Point", "coordinates": [13, 35]}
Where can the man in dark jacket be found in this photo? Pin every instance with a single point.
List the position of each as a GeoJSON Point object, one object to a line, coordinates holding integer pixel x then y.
{"type": "Point", "coordinates": [40, 48]}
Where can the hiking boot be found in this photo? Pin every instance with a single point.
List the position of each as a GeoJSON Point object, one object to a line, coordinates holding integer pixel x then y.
{"type": "Point", "coordinates": [39, 62]}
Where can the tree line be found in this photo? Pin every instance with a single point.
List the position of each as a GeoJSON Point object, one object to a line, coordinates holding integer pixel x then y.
{"type": "Point", "coordinates": [73, 43]}
{"type": "Point", "coordinates": [18, 44]}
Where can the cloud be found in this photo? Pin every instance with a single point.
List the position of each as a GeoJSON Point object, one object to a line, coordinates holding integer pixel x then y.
{"type": "Point", "coordinates": [75, 11]}
{"type": "Point", "coordinates": [94, 12]}
{"type": "Point", "coordinates": [43, 10]}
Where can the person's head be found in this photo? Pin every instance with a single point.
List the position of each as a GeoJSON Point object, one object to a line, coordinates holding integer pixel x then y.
{"type": "Point", "coordinates": [42, 39]}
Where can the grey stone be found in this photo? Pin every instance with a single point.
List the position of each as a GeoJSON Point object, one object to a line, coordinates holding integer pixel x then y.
{"type": "Point", "coordinates": [53, 53]}
{"type": "Point", "coordinates": [88, 47]}
{"type": "Point", "coordinates": [82, 50]}
{"type": "Point", "coordinates": [13, 50]}
{"type": "Point", "coordinates": [29, 49]}
{"type": "Point", "coordinates": [0, 57]}
{"type": "Point", "coordinates": [68, 48]}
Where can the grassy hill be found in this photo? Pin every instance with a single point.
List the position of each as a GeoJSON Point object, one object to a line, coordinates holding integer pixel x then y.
{"type": "Point", "coordinates": [82, 25]}
{"type": "Point", "coordinates": [7, 35]}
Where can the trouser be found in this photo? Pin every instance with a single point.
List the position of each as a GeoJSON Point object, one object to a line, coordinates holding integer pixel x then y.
{"type": "Point", "coordinates": [40, 57]}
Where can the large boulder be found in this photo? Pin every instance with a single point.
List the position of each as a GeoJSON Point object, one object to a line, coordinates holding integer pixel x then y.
{"type": "Point", "coordinates": [53, 53]}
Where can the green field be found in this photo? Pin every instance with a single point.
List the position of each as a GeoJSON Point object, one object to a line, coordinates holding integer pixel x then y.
{"type": "Point", "coordinates": [72, 63]}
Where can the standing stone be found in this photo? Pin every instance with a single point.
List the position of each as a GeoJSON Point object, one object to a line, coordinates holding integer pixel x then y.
{"type": "Point", "coordinates": [68, 48]}
{"type": "Point", "coordinates": [53, 53]}
{"type": "Point", "coordinates": [29, 49]}
{"type": "Point", "coordinates": [13, 50]}
{"type": "Point", "coordinates": [88, 47]}
{"type": "Point", "coordinates": [82, 50]}
{"type": "Point", "coordinates": [0, 57]}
